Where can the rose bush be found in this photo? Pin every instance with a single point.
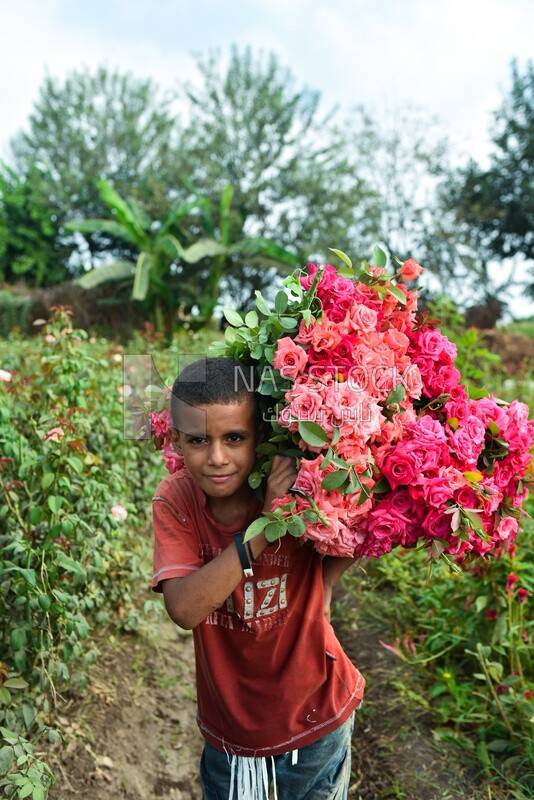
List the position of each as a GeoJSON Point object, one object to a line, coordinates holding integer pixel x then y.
{"type": "Point", "coordinates": [69, 560]}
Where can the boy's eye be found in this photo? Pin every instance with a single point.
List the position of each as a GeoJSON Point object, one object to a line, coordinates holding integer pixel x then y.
{"type": "Point", "coordinates": [235, 437]}
{"type": "Point", "coordinates": [196, 440]}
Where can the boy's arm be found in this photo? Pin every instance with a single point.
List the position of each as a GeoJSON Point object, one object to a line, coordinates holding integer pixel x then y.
{"type": "Point", "coordinates": [191, 599]}
{"type": "Point", "coordinates": [333, 569]}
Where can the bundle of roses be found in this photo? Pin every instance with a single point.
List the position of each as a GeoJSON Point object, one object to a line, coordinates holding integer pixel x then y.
{"type": "Point", "coordinates": [362, 389]}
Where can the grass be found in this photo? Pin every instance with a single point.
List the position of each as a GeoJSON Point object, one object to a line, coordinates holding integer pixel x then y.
{"type": "Point", "coordinates": [520, 327]}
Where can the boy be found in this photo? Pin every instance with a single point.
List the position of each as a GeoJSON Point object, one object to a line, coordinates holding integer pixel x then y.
{"type": "Point", "coordinates": [276, 693]}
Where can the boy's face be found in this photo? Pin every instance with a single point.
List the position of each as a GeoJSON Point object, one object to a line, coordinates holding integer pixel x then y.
{"type": "Point", "coordinates": [217, 442]}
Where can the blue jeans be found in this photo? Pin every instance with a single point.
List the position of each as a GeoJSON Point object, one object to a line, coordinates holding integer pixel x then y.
{"type": "Point", "coordinates": [321, 772]}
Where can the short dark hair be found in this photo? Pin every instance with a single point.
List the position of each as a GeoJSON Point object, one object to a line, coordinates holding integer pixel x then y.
{"type": "Point", "coordinates": [214, 380]}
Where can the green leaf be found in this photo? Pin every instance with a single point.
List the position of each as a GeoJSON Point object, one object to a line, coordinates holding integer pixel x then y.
{"type": "Point", "coordinates": [481, 602]}
{"type": "Point", "coordinates": [493, 428]}
{"type": "Point", "coordinates": [254, 480]}
{"type": "Point", "coordinates": [115, 271]}
{"type": "Point", "coordinates": [35, 515]}
{"type": "Point", "coordinates": [275, 530]}
{"type": "Point", "coordinates": [103, 226]}
{"type": "Point", "coordinates": [226, 202]}
{"type": "Point", "coordinates": [143, 269]}
{"type": "Point", "coordinates": [288, 323]}
{"type": "Point", "coordinates": [343, 256]}
{"type": "Point", "coordinates": [398, 294]}
{"type": "Point", "coordinates": [251, 319]}
{"type": "Point", "coordinates": [334, 480]}
{"type": "Point", "coordinates": [5, 700]}
{"type": "Point", "coordinates": [233, 317]}
{"type": "Point", "coordinates": [381, 486]}
{"type": "Point", "coordinates": [17, 639]}
{"type": "Point", "coordinates": [396, 395]}
{"type": "Point", "coordinates": [7, 757]}
{"type": "Point", "coordinates": [29, 575]}
{"type": "Point", "coordinates": [262, 306]}
{"type": "Point", "coordinates": [47, 480]}
{"type": "Point", "coordinates": [380, 257]}
{"type": "Point", "coordinates": [70, 565]}
{"type": "Point", "coordinates": [204, 248]}
{"type": "Point", "coordinates": [125, 214]}
{"type": "Point", "coordinates": [26, 790]}
{"type": "Point", "coordinates": [312, 433]}
{"type": "Point", "coordinates": [280, 303]}
{"type": "Point", "coordinates": [16, 683]}
{"type": "Point", "coordinates": [38, 793]}
{"type": "Point", "coordinates": [296, 526]}
{"type": "Point", "coordinates": [76, 464]}
{"type": "Point", "coordinates": [474, 519]}
{"type": "Point", "coordinates": [255, 528]}
{"type": "Point", "coordinates": [54, 503]}
{"type": "Point", "coordinates": [475, 393]}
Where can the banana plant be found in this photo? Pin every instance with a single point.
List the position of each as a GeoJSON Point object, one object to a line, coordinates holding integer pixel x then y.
{"type": "Point", "coordinates": [160, 248]}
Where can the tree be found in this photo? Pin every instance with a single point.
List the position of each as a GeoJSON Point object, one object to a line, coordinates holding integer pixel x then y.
{"type": "Point", "coordinates": [97, 125]}
{"type": "Point", "coordinates": [30, 246]}
{"type": "Point", "coordinates": [159, 276]}
{"type": "Point", "coordinates": [498, 203]}
{"type": "Point", "coordinates": [293, 175]}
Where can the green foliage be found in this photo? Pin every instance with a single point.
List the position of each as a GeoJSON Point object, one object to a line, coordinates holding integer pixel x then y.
{"type": "Point", "coordinates": [475, 649]}
{"type": "Point", "coordinates": [14, 311]}
{"type": "Point", "coordinates": [292, 170]}
{"type": "Point", "coordinates": [158, 275]}
{"type": "Point", "coordinates": [93, 125]}
{"type": "Point", "coordinates": [68, 562]}
{"type": "Point", "coordinates": [496, 204]}
{"type": "Point", "coordinates": [30, 246]}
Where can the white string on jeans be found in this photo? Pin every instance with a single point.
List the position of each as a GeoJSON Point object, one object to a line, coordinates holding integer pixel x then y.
{"type": "Point", "coordinates": [250, 779]}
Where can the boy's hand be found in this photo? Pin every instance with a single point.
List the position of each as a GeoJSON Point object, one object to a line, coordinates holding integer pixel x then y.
{"type": "Point", "coordinates": [282, 477]}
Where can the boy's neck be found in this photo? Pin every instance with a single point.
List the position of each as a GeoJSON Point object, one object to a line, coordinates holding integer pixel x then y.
{"type": "Point", "coordinates": [228, 510]}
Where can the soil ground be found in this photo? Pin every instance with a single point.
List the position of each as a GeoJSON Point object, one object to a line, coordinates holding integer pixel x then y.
{"type": "Point", "coordinates": [133, 735]}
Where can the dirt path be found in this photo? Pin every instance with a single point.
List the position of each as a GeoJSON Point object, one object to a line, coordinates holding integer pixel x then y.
{"type": "Point", "coordinates": [133, 736]}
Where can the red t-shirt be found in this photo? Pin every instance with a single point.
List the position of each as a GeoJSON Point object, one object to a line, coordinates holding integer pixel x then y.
{"type": "Point", "coordinates": [271, 674]}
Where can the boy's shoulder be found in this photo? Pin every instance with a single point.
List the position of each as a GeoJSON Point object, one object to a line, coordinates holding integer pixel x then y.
{"type": "Point", "coordinates": [176, 488]}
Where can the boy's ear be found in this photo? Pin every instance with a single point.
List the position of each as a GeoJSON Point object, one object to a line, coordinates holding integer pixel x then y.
{"type": "Point", "coordinates": [175, 440]}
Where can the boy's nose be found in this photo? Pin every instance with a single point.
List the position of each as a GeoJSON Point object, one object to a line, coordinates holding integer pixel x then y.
{"type": "Point", "coordinates": [217, 454]}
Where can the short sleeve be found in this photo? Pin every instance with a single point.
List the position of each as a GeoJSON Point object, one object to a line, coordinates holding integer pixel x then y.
{"type": "Point", "coordinates": [176, 548]}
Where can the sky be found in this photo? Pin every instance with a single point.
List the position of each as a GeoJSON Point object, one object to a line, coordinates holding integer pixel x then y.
{"type": "Point", "coordinates": [450, 57]}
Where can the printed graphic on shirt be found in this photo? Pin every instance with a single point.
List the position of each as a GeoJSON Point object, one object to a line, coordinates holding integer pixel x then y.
{"type": "Point", "coordinates": [260, 599]}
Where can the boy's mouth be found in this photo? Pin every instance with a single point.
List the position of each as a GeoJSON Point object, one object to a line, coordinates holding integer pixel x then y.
{"type": "Point", "coordinates": [218, 478]}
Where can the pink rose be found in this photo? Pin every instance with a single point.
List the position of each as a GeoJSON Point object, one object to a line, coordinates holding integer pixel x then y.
{"type": "Point", "coordinates": [290, 359]}
{"type": "Point", "coordinates": [437, 491]}
{"type": "Point", "coordinates": [507, 529]}
{"type": "Point", "coordinates": [465, 447]}
{"type": "Point", "coordinates": [430, 342]}
{"type": "Point", "coordinates": [161, 422]}
{"type": "Point", "coordinates": [305, 403]}
{"type": "Point", "coordinates": [309, 476]}
{"type": "Point", "coordinates": [362, 319]}
{"type": "Point", "coordinates": [410, 270]}
{"type": "Point", "coordinates": [119, 512]}
{"type": "Point", "coordinates": [412, 381]}
{"type": "Point", "coordinates": [437, 524]}
{"type": "Point", "coordinates": [54, 435]}
{"type": "Point", "coordinates": [324, 336]}
{"type": "Point", "coordinates": [342, 289]}
{"type": "Point", "coordinates": [172, 460]}
{"type": "Point", "coordinates": [400, 467]}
